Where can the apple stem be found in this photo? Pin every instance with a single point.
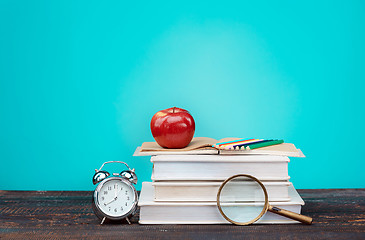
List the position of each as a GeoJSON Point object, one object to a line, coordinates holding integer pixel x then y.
{"type": "Point", "coordinates": [173, 109]}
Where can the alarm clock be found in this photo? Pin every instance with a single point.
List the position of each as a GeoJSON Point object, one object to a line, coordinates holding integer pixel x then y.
{"type": "Point", "coordinates": [115, 197]}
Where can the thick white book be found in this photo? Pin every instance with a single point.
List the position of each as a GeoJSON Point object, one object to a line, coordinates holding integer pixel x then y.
{"type": "Point", "coordinates": [206, 191]}
{"type": "Point", "coordinates": [219, 167]}
{"type": "Point", "coordinates": [152, 212]}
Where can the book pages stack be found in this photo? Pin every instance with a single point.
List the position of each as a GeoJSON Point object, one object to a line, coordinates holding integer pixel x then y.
{"type": "Point", "coordinates": [184, 187]}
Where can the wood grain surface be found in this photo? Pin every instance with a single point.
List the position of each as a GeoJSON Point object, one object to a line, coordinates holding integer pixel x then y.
{"type": "Point", "coordinates": [337, 214]}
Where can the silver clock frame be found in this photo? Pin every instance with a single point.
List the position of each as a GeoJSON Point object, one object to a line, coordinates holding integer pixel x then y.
{"type": "Point", "coordinates": [95, 202]}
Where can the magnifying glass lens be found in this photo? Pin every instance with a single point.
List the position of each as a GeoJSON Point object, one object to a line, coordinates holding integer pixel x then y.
{"type": "Point", "coordinates": [242, 200]}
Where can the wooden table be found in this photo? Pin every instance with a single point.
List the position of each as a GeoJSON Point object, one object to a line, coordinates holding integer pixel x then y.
{"type": "Point", "coordinates": [337, 214]}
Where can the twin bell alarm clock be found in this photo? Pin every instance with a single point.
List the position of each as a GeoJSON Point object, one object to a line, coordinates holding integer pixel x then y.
{"type": "Point", "coordinates": [115, 197]}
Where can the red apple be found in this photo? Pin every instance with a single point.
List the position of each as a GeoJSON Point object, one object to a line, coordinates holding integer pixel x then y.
{"type": "Point", "coordinates": [173, 127]}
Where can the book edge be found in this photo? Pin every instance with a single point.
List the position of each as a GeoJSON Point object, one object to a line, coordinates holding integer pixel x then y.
{"type": "Point", "coordinates": [296, 199]}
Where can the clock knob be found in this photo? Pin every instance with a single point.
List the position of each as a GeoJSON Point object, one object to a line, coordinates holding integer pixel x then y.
{"type": "Point", "coordinates": [130, 175]}
{"type": "Point", "coordinates": [100, 176]}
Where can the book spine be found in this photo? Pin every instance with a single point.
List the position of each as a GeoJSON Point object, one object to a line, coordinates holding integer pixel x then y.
{"type": "Point", "coordinates": [202, 215]}
{"type": "Point", "coordinates": [218, 170]}
{"type": "Point", "coordinates": [207, 191]}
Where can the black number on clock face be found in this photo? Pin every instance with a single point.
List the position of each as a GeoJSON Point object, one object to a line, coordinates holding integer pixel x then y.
{"type": "Point", "coordinates": [126, 204]}
{"type": "Point", "coordinates": [115, 210]}
{"type": "Point", "coordinates": [127, 198]}
{"type": "Point", "coordinates": [109, 208]}
{"type": "Point", "coordinates": [121, 208]}
{"type": "Point", "coordinates": [105, 192]}
{"type": "Point", "coordinates": [110, 188]}
{"type": "Point", "coordinates": [102, 198]}
{"type": "Point", "coordinates": [126, 192]}
{"type": "Point", "coordinates": [115, 186]}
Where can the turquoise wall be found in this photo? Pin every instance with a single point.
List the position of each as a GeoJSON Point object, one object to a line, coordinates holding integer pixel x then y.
{"type": "Point", "coordinates": [80, 81]}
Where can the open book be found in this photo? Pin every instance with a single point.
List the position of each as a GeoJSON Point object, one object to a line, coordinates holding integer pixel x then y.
{"type": "Point", "coordinates": [204, 145]}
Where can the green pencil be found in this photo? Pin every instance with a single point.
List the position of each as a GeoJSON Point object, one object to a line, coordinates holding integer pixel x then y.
{"type": "Point", "coordinates": [264, 144]}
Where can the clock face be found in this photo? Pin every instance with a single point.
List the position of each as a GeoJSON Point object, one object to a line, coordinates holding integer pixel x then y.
{"type": "Point", "coordinates": [115, 198]}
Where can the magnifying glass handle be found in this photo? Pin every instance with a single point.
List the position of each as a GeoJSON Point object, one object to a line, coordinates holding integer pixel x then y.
{"type": "Point", "coordinates": [292, 215]}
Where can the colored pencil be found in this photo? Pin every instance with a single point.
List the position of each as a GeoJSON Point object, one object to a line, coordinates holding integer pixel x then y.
{"type": "Point", "coordinates": [264, 144]}
{"type": "Point", "coordinates": [235, 145]}
{"type": "Point", "coordinates": [230, 142]}
{"type": "Point", "coordinates": [239, 146]}
{"type": "Point", "coordinates": [226, 145]}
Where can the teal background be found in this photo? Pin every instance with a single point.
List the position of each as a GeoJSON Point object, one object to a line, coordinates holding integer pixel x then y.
{"type": "Point", "coordinates": [80, 81]}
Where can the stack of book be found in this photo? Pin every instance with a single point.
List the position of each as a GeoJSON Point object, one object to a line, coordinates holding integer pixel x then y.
{"type": "Point", "coordinates": [185, 182]}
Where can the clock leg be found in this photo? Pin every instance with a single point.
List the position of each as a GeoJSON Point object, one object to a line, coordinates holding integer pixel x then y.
{"type": "Point", "coordinates": [129, 222]}
{"type": "Point", "coordinates": [102, 221]}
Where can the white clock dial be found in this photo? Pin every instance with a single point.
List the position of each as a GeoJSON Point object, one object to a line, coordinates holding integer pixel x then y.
{"type": "Point", "coordinates": [116, 198]}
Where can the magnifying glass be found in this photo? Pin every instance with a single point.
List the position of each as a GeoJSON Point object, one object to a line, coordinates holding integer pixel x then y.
{"type": "Point", "coordinates": [242, 199]}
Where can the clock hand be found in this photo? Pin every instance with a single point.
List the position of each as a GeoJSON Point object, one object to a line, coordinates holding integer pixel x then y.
{"type": "Point", "coordinates": [110, 201]}
{"type": "Point", "coordinates": [116, 194]}
{"type": "Point", "coordinates": [115, 198]}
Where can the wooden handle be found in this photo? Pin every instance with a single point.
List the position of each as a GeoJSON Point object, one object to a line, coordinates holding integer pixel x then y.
{"type": "Point", "coordinates": [292, 215]}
